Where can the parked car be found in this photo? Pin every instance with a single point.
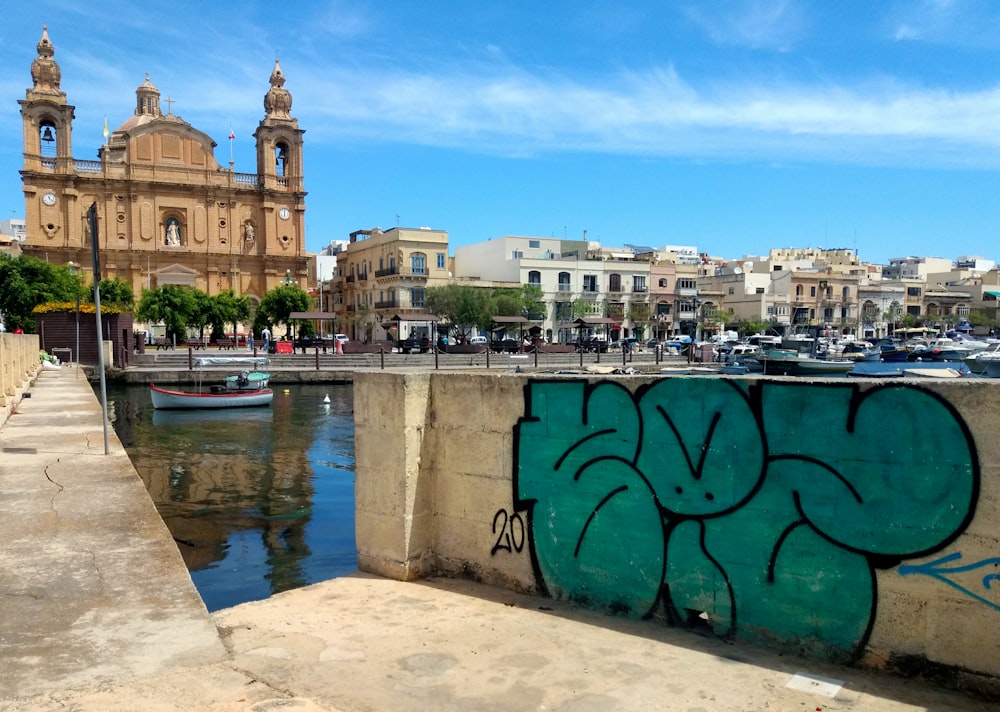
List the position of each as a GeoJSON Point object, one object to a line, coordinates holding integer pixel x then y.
{"type": "Point", "coordinates": [478, 340]}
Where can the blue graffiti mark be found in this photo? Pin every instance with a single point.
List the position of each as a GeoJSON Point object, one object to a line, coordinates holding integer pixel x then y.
{"type": "Point", "coordinates": [934, 569]}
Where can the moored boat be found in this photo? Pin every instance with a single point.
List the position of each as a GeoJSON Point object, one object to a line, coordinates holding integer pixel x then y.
{"type": "Point", "coordinates": [216, 397]}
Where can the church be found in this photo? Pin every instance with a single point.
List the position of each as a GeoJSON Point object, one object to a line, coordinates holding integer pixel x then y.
{"type": "Point", "coordinates": [167, 212]}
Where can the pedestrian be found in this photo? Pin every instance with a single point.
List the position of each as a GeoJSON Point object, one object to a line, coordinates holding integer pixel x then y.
{"type": "Point", "coordinates": [250, 340]}
{"type": "Point", "coordinates": [265, 336]}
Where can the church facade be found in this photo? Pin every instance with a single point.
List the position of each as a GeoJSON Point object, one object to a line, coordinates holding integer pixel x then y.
{"type": "Point", "coordinates": [167, 212]}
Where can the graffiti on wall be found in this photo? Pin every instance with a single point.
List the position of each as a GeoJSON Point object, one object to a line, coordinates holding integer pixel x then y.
{"type": "Point", "coordinates": [761, 508]}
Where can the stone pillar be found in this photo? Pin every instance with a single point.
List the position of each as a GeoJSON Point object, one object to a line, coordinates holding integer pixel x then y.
{"type": "Point", "coordinates": [393, 505]}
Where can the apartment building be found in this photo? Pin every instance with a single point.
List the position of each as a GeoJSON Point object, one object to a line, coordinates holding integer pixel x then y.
{"type": "Point", "coordinates": [385, 274]}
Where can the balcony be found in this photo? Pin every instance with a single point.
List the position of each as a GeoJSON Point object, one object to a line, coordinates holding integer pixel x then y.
{"type": "Point", "coordinates": [386, 272]}
{"type": "Point", "coordinates": [565, 287]}
{"type": "Point", "coordinates": [350, 278]}
{"type": "Point", "coordinates": [640, 290]}
{"type": "Point", "coordinates": [388, 304]}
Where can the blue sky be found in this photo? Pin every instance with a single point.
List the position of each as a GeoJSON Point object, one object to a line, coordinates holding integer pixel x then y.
{"type": "Point", "coordinates": [733, 125]}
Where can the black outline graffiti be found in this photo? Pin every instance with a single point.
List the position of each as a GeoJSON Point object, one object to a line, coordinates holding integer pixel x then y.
{"type": "Point", "coordinates": [753, 394]}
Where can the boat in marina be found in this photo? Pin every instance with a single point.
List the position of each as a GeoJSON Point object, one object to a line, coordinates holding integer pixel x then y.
{"type": "Point", "coordinates": [977, 362]}
{"type": "Point", "coordinates": [239, 390]}
{"type": "Point", "coordinates": [221, 398]}
{"type": "Point", "coordinates": [790, 362]}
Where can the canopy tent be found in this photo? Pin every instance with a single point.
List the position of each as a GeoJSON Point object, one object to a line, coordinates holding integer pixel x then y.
{"type": "Point", "coordinates": [590, 322]}
{"type": "Point", "coordinates": [502, 323]}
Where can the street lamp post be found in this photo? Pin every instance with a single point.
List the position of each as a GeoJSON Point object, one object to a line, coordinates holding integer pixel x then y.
{"type": "Point", "coordinates": [76, 288]}
{"type": "Point", "coordinates": [291, 329]}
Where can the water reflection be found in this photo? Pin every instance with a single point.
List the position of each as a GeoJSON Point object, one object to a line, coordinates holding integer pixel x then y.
{"type": "Point", "coordinates": [259, 500]}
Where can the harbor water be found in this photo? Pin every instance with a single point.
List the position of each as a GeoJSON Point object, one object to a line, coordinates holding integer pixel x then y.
{"type": "Point", "coordinates": [259, 500]}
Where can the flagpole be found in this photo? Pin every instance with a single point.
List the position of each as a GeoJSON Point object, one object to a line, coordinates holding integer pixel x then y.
{"type": "Point", "coordinates": [231, 137]}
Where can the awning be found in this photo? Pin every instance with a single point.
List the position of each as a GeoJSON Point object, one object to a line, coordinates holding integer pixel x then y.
{"type": "Point", "coordinates": [991, 292]}
{"type": "Point", "coordinates": [312, 315]}
{"type": "Point", "coordinates": [416, 316]}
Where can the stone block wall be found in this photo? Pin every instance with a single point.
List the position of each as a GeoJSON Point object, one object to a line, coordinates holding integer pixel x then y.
{"type": "Point", "coordinates": [848, 520]}
{"type": "Point", "coordinates": [18, 363]}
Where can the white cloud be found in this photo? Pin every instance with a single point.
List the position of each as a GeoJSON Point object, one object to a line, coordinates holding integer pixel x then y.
{"type": "Point", "coordinates": [758, 24]}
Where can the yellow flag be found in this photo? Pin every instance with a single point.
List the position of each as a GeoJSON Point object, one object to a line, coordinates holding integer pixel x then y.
{"type": "Point", "coordinates": [106, 132]}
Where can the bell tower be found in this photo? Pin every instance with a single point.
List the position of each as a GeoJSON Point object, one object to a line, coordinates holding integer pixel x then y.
{"type": "Point", "coordinates": [279, 170]}
{"type": "Point", "coordinates": [46, 117]}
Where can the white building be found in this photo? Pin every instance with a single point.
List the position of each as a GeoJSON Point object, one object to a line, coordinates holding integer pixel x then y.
{"type": "Point", "coordinates": [612, 282]}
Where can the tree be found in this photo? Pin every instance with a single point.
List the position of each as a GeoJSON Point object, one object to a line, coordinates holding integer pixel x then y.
{"type": "Point", "coordinates": [279, 303]}
{"type": "Point", "coordinates": [461, 306]}
{"type": "Point", "coordinates": [582, 308]}
{"type": "Point", "coordinates": [228, 309]}
{"type": "Point", "coordinates": [26, 282]}
{"type": "Point", "coordinates": [116, 292]}
{"type": "Point", "coordinates": [174, 305]}
{"type": "Point", "coordinates": [639, 314]}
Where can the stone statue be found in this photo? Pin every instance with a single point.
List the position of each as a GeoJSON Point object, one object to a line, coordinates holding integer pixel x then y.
{"type": "Point", "coordinates": [173, 237]}
{"type": "Point", "coordinates": [248, 232]}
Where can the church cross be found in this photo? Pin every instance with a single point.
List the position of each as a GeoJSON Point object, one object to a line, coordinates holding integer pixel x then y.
{"type": "Point", "coordinates": [170, 105]}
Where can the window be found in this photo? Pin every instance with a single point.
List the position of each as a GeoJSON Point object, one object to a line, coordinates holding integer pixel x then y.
{"type": "Point", "coordinates": [418, 264]}
{"type": "Point", "coordinates": [663, 282]}
{"type": "Point", "coordinates": [798, 290]}
{"type": "Point", "coordinates": [812, 291]}
{"type": "Point", "coordinates": [759, 290]}
{"type": "Point", "coordinates": [516, 255]}
{"type": "Point", "coordinates": [590, 282]}
{"type": "Point", "coordinates": [441, 260]}
{"type": "Point", "coordinates": [564, 282]}
{"type": "Point", "coordinates": [535, 278]}
{"type": "Point", "coordinates": [614, 283]}
{"type": "Point", "coordinates": [913, 291]}
{"type": "Point", "coordinates": [638, 283]}
{"type": "Point", "coordinates": [417, 297]}
{"type": "Point", "coordinates": [845, 293]}
{"type": "Point", "coordinates": [828, 314]}
{"type": "Point", "coordinates": [663, 308]}
{"type": "Point", "coordinates": [281, 160]}
{"type": "Point", "coordinates": [687, 284]}
{"type": "Point", "coordinates": [535, 244]}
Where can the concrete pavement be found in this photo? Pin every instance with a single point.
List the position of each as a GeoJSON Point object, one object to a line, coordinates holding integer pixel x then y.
{"type": "Point", "coordinates": [97, 612]}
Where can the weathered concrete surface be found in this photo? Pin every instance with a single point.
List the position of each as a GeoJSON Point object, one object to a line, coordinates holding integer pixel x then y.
{"type": "Point", "coordinates": [92, 587]}
{"type": "Point", "coordinates": [363, 644]}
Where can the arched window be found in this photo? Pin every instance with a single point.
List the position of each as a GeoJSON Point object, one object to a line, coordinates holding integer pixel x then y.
{"type": "Point", "coordinates": [663, 282]}
{"type": "Point", "coordinates": [535, 278]}
{"type": "Point", "coordinates": [281, 159]}
{"type": "Point", "coordinates": [47, 139]}
{"type": "Point", "coordinates": [564, 282]}
{"type": "Point", "coordinates": [845, 293]}
{"type": "Point", "coordinates": [798, 290]}
{"type": "Point", "coordinates": [418, 263]}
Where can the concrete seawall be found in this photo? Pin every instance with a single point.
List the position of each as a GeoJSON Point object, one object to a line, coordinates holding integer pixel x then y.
{"type": "Point", "coordinates": [852, 521]}
{"type": "Point", "coordinates": [97, 612]}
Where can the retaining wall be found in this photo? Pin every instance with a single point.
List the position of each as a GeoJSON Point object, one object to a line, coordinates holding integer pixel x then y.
{"type": "Point", "coordinates": [19, 362]}
{"type": "Point", "coordinates": [850, 520]}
